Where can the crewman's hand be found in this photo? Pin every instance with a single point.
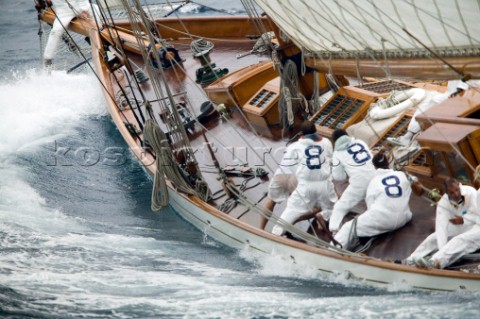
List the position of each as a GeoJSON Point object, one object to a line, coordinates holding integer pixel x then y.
{"type": "Point", "coordinates": [457, 220]}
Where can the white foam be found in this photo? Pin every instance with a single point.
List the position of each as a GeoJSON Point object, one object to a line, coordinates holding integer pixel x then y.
{"type": "Point", "coordinates": [37, 105]}
{"type": "Point", "coordinates": [276, 265]}
{"type": "Point", "coordinates": [23, 210]}
{"type": "Point", "coordinates": [38, 108]}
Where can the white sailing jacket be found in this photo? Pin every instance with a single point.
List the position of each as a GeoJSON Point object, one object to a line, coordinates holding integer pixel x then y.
{"type": "Point", "coordinates": [389, 192]}
{"type": "Point", "coordinates": [352, 158]}
{"type": "Point", "coordinates": [290, 160]}
{"type": "Point", "coordinates": [445, 211]}
{"type": "Point", "coordinates": [314, 154]}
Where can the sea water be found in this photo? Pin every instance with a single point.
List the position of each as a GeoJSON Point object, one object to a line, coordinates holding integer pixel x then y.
{"type": "Point", "coordinates": [78, 238]}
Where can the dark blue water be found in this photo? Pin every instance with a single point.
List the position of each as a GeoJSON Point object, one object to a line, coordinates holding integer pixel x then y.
{"type": "Point", "coordinates": [78, 238]}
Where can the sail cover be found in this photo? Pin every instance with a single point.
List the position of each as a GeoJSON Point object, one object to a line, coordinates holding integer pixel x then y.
{"type": "Point", "coordinates": [356, 28]}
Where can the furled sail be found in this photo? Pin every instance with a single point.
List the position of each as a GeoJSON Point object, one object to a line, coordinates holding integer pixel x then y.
{"type": "Point", "coordinates": [383, 38]}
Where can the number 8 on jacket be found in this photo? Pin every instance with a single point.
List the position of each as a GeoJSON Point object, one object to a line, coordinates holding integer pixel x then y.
{"type": "Point", "coordinates": [392, 186]}
{"type": "Point", "coordinates": [312, 154]}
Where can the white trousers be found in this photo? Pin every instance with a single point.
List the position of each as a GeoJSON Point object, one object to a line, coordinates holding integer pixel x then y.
{"type": "Point", "coordinates": [353, 194]}
{"type": "Point", "coordinates": [430, 243]}
{"type": "Point", "coordinates": [458, 246]}
{"type": "Point", "coordinates": [372, 222]}
{"type": "Point", "coordinates": [281, 186]}
{"type": "Point", "coordinates": [306, 196]}
{"type": "Point", "coordinates": [65, 15]}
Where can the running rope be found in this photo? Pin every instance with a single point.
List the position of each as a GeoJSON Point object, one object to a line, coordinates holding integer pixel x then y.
{"type": "Point", "coordinates": [166, 166]}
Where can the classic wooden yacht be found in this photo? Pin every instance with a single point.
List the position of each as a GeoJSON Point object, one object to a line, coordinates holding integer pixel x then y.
{"type": "Point", "coordinates": [208, 103]}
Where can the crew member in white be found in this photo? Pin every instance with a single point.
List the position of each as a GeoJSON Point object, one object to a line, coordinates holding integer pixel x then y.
{"type": "Point", "coordinates": [460, 245]}
{"type": "Point", "coordinates": [413, 130]}
{"type": "Point", "coordinates": [315, 187]}
{"type": "Point", "coordinates": [65, 11]}
{"type": "Point", "coordinates": [459, 201]}
{"type": "Point", "coordinates": [284, 180]}
{"type": "Point", "coordinates": [387, 199]}
{"type": "Point", "coordinates": [352, 159]}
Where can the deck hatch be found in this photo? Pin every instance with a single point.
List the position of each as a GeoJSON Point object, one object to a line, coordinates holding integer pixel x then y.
{"type": "Point", "coordinates": [262, 98]}
{"type": "Point", "coordinates": [398, 129]}
{"type": "Point", "coordinates": [337, 112]}
{"type": "Point", "coordinates": [421, 160]}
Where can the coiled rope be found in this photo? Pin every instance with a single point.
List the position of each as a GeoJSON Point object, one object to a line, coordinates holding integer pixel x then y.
{"type": "Point", "coordinates": [264, 43]}
{"type": "Point", "coordinates": [289, 90]}
{"type": "Point", "coordinates": [200, 45]}
{"type": "Point", "coordinates": [166, 165]}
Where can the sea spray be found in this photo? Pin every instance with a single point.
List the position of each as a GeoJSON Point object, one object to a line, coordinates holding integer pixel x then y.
{"type": "Point", "coordinates": [36, 105]}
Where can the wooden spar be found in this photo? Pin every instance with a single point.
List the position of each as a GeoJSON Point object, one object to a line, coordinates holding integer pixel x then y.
{"type": "Point", "coordinates": [458, 71]}
{"type": "Point", "coordinates": [407, 68]}
{"type": "Point", "coordinates": [421, 68]}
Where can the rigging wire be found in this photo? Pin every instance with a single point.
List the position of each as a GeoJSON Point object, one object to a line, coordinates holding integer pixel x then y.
{"type": "Point", "coordinates": [232, 98]}
{"type": "Point", "coordinates": [458, 9]}
{"type": "Point", "coordinates": [103, 17]}
{"type": "Point", "coordinates": [452, 145]}
{"type": "Point", "coordinates": [259, 156]}
{"type": "Point", "coordinates": [267, 214]}
{"type": "Point", "coordinates": [293, 230]}
{"type": "Point", "coordinates": [445, 30]}
{"type": "Point", "coordinates": [247, 142]}
{"type": "Point", "coordinates": [372, 17]}
{"type": "Point", "coordinates": [381, 18]}
{"type": "Point", "coordinates": [182, 137]}
{"type": "Point", "coordinates": [128, 62]}
{"type": "Point", "coordinates": [319, 33]}
{"type": "Point", "coordinates": [464, 32]}
{"type": "Point", "coordinates": [177, 130]}
{"type": "Point", "coordinates": [254, 205]}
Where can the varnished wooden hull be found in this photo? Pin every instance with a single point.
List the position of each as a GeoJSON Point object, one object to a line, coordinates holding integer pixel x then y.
{"type": "Point", "coordinates": [233, 231]}
{"type": "Point", "coordinates": [369, 271]}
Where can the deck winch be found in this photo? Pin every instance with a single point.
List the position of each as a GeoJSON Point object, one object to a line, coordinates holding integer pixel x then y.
{"type": "Point", "coordinates": [208, 72]}
{"type": "Point", "coordinates": [167, 55]}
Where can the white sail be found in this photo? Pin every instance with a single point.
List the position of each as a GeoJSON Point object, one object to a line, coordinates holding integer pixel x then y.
{"type": "Point", "coordinates": [344, 27]}
{"type": "Point", "coordinates": [112, 4]}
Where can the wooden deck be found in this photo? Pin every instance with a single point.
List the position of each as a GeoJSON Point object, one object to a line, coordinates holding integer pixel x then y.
{"type": "Point", "coordinates": [229, 143]}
